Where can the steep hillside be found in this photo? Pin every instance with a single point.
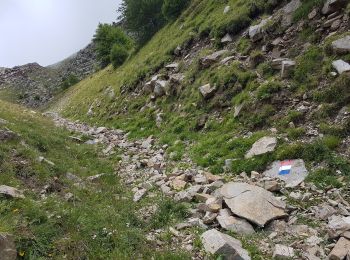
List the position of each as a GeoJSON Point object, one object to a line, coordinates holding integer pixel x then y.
{"type": "Point", "coordinates": [34, 85]}
{"type": "Point", "coordinates": [299, 106]}
{"type": "Point", "coordinates": [242, 88]}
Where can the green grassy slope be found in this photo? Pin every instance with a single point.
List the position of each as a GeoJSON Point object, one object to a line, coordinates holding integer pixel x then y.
{"type": "Point", "coordinates": [100, 223]}
{"type": "Point", "coordinates": [224, 137]}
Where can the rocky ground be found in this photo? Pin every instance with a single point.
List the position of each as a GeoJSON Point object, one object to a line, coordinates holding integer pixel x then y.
{"type": "Point", "coordinates": [278, 213]}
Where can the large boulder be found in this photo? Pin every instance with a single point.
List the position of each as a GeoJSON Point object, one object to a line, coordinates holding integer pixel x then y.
{"type": "Point", "coordinates": [263, 145]}
{"type": "Point", "coordinates": [215, 242]}
{"type": "Point", "coordinates": [256, 31]}
{"type": "Point", "coordinates": [341, 66]}
{"type": "Point", "coordinates": [207, 91]}
{"type": "Point", "coordinates": [7, 247]}
{"type": "Point", "coordinates": [342, 45]}
{"type": "Point", "coordinates": [253, 203]}
{"type": "Point", "coordinates": [292, 172]}
{"type": "Point", "coordinates": [332, 6]}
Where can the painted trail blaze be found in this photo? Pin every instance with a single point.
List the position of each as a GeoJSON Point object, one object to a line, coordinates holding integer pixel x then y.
{"type": "Point", "coordinates": [285, 168]}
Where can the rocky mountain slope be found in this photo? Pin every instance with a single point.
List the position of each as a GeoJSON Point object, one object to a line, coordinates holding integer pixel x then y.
{"type": "Point", "coordinates": [224, 137]}
{"type": "Point", "coordinates": [34, 85]}
{"type": "Point", "coordinates": [236, 76]}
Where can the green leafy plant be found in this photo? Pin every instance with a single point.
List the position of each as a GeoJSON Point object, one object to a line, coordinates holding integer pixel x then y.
{"type": "Point", "coordinates": [108, 36]}
{"type": "Point", "coordinates": [118, 55]}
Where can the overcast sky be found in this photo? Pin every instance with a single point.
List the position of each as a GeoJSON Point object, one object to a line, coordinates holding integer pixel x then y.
{"type": "Point", "coordinates": [47, 31]}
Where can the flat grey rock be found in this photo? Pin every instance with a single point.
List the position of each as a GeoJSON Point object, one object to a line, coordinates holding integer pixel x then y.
{"type": "Point", "coordinates": [341, 66]}
{"type": "Point", "coordinates": [263, 145]}
{"type": "Point", "coordinates": [236, 225]}
{"type": "Point", "coordinates": [11, 192]}
{"type": "Point", "coordinates": [283, 252]}
{"type": "Point", "coordinates": [296, 175]}
{"type": "Point", "coordinates": [215, 242]}
{"type": "Point", "coordinates": [252, 203]}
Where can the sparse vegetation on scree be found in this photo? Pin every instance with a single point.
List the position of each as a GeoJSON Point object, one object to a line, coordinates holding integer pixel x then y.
{"type": "Point", "coordinates": [211, 92]}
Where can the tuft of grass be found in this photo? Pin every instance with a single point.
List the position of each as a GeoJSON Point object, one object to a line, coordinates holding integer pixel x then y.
{"type": "Point", "coordinates": [323, 178]}
{"type": "Point", "coordinates": [336, 93]}
{"type": "Point", "coordinates": [308, 65]}
{"type": "Point", "coordinates": [331, 141]}
{"type": "Point", "coordinates": [266, 90]}
{"type": "Point", "coordinates": [168, 212]}
{"type": "Point", "coordinates": [244, 46]}
{"type": "Point", "coordinates": [295, 133]}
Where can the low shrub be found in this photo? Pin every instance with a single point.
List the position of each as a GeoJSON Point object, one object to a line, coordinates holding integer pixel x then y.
{"type": "Point", "coordinates": [118, 55]}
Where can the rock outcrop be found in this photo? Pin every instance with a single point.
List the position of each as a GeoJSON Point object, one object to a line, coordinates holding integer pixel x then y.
{"type": "Point", "coordinates": [34, 85]}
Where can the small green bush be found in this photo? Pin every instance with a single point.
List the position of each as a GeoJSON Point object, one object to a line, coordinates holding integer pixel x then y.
{"type": "Point", "coordinates": [332, 142]}
{"type": "Point", "coordinates": [167, 212]}
{"type": "Point", "coordinates": [308, 64]}
{"type": "Point", "coordinates": [259, 117]}
{"type": "Point", "coordinates": [335, 130]}
{"type": "Point", "coordinates": [295, 133]}
{"type": "Point", "coordinates": [266, 70]}
{"type": "Point", "coordinates": [337, 93]}
{"type": "Point", "coordinates": [314, 152]}
{"type": "Point", "coordinates": [266, 90]}
{"type": "Point", "coordinates": [256, 57]}
{"type": "Point", "coordinates": [243, 46]}
{"type": "Point", "coordinates": [106, 37]}
{"type": "Point", "coordinates": [69, 81]}
{"type": "Point", "coordinates": [118, 55]}
{"type": "Point", "coordinates": [142, 17]}
{"type": "Point", "coordinates": [324, 177]}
